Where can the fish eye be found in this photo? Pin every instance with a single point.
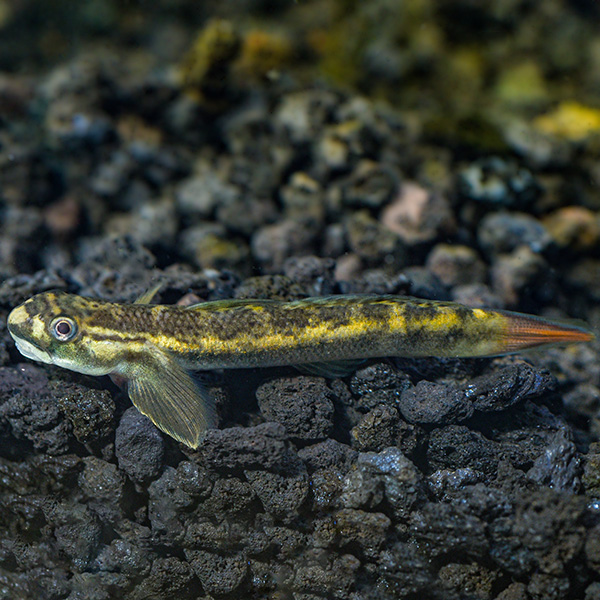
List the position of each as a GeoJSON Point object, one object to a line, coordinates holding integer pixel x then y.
{"type": "Point", "coordinates": [63, 328]}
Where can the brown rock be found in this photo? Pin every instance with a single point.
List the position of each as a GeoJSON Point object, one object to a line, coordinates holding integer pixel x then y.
{"type": "Point", "coordinates": [456, 265]}
{"type": "Point", "coordinates": [574, 227]}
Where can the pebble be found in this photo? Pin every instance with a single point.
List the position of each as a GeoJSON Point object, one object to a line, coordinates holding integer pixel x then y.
{"type": "Point", "coordinates": [27, 419]}
{"type": "Point", "coordinates": [63, 217]}
{"type": "Point", "coordinates": [200, 194]}
{"type": "Point", "coordinates": [208, 246]}
{"type": "Point", "coordinates": [151, 224]}
{"type": "Point", "coordinates": [229, 496]}
{"type": "Point", "coordinates": [316, 275]}
{"type": "Point", "coordinates": [23, 234]}
{"type": "Point", "coordinates": [123, 557]}
{"type": "Point", "coordinates": [445, 482]}
{"type": "Point", "coordinates": [376, 377]}
{"type": "Point", "coordinates": [244, 214]}
{"type": "Point", "coordinates": [272, 244]}
{"type": "Point", "coordinates": [574, 227]}
{"type": "Point", "coordinates": [281, 495]}
{"type": "Point", "coordinates": [319, 576]}
{"type": "Point", "coordinates": [105, 486]}
{"type": "Point", "coordinates": [376, 431]}
{"type": "Point", "coordinates": [405, 567]}
{"type": "Point", "coordinates": [382, 428]}
{"type": "Point", "coordinates": [432, 403]}
{"type": "Point", "coordinates": [584, 400]}
{"type": "Point", "coordinates": [476, 295]}
{"type": "Point", "coordinates": [585, 275]}
{"type": "Point", "coordinates": [219, 574]}
{"type": "Point", "coordinates": [327, 454]}
{"type": "Point", "coordinates": [535, 534]}
{"type": "Point", "coordinates": [422, 283]}
{"type": "Point", "coordinates": [334, 242]}
{"type": "Point", "coordinates": [435, 403]}
{"type": "Point", "coordinates": [592, 549]}
{"type": "Point", "coordinates": [456, 265]}
{"type": "Point", "coordinates": [303, 197]}
{"type": "Point", "coordinates": [90, 412]}
{"type": "Point", "coordinates": [370, 185]}
{"type": "Point", "coordinates": [239, 448]}
{"type": "Point", "coordinates": [169, 577]}
{"type": "Point", "coordinates": [387, 474]}
{"type": "Point", "coordinates": [541, 149]}
{"type": "Point", "coordinates": [418, 216]}
{"type": "Point", "coordinates": [365, 529]}
{"type": "Point", "coordinates": [378, 385]}
{"type": "Point", "coordinates": [373, 242]}
{"type": "Point", "coordinates": [521, 274]}
{"type": "Point", "coordinates": [139, 446]}
{"type": "Point", "coordinates": [570, 120]}
{"type": "Point", "coordinates": [479, 580]}
{"type": "Point", "coordinates": [113, 268]}
{"type": "Point", "coordinates": [347, 269]}
{"type": "Point", "coordinates": [172, 496]}
{"type": "Point", "coordinates": [449, 529]}
{"type": "Point", "coordinates": [501, 233]}
{"type": "Point", "coordinates": [275, 287]}
{"type": "Point", "coordinates": [559, 465]}
{"type": "Point", "coordinates": [303, 405]}
{"type": "Point", "coordinates": [456, 446]}
{"type": "Point", "coordinates": [326, 486]}
{"type": "Point", "coordinates": [303, 113]}
{"type": "Point", "coordinates": [498, 182]}
{"type": "Point", "coordinates": [112, 176]}
{"type": "Point", "coordinates": [344, 144]}
{"type": "Point", "coordinates": [77, 532]}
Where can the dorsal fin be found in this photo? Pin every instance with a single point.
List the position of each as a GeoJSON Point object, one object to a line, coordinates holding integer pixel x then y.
{"type": "Point", "coordinates": [147, 296]}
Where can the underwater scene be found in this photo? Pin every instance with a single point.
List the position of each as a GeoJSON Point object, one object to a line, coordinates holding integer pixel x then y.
{"type": "Point", "coordinates": [299, 300]}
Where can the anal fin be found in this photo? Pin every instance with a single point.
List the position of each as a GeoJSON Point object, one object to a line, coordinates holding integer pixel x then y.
{"type": "Point", "coordinates": [331, 369]}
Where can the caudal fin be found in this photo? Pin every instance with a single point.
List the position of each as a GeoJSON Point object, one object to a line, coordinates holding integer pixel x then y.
{"type": "Point", "coordinates": [527, 331]}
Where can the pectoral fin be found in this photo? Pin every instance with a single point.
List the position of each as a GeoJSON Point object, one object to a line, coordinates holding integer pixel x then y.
{"type": "Point", "coordinates": [172, 398]}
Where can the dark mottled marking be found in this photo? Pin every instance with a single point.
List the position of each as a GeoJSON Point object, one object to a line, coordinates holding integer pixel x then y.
{"type": "Point", "coordinates": [455, 334]}
{"type": "Point", "coordinates": [378, 312]}
{"type": "Point", "coordinates": [415, 314]}
{"type": "Point", "coordinates": [464, 313]}
{"type": "Point", "coordinates": [289, 322]}
{"type": "Point", "coordinates": [33, 308]}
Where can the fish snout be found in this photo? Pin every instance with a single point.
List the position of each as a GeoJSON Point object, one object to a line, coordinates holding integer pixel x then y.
{"type": "Point", "coordinates": [22, 325]}
{"type": "Point", "coordinates": [18, 321]}
{"type": "Point", "coordinates": [25, 331]}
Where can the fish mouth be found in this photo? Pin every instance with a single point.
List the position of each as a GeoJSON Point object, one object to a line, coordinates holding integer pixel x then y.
{"type": "Point", "coordinates": [31, 350]}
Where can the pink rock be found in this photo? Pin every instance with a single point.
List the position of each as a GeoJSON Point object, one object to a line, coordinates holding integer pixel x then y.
{"type": "Point", "coordinates": [418, 216]}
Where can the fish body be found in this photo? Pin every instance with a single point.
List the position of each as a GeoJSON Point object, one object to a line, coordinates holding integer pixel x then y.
{"type": "Point", "coordinates": [156, 346]}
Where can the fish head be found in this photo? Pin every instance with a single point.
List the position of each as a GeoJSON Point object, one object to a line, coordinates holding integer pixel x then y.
{"type": "Point", "coordinates": [51, 328]}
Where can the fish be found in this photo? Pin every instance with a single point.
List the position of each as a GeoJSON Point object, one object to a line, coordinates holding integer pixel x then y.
{"type": "Point", "coordinates": [158, 348]}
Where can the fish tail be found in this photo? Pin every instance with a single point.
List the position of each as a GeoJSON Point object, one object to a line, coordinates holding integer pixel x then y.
{"type": "Point", "coordinates": [526, 331]}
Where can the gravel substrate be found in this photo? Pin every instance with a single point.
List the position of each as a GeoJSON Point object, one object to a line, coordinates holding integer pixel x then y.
{"type": "Point", "coordinates": [429, 478]}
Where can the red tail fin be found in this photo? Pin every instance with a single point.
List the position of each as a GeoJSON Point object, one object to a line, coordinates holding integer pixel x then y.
{"type": "Point", "coordinates": [526, 331]}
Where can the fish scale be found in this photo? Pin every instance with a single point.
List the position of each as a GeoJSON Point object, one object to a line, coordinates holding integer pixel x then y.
{"type": "Point", "coordinates": [156, 346]}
